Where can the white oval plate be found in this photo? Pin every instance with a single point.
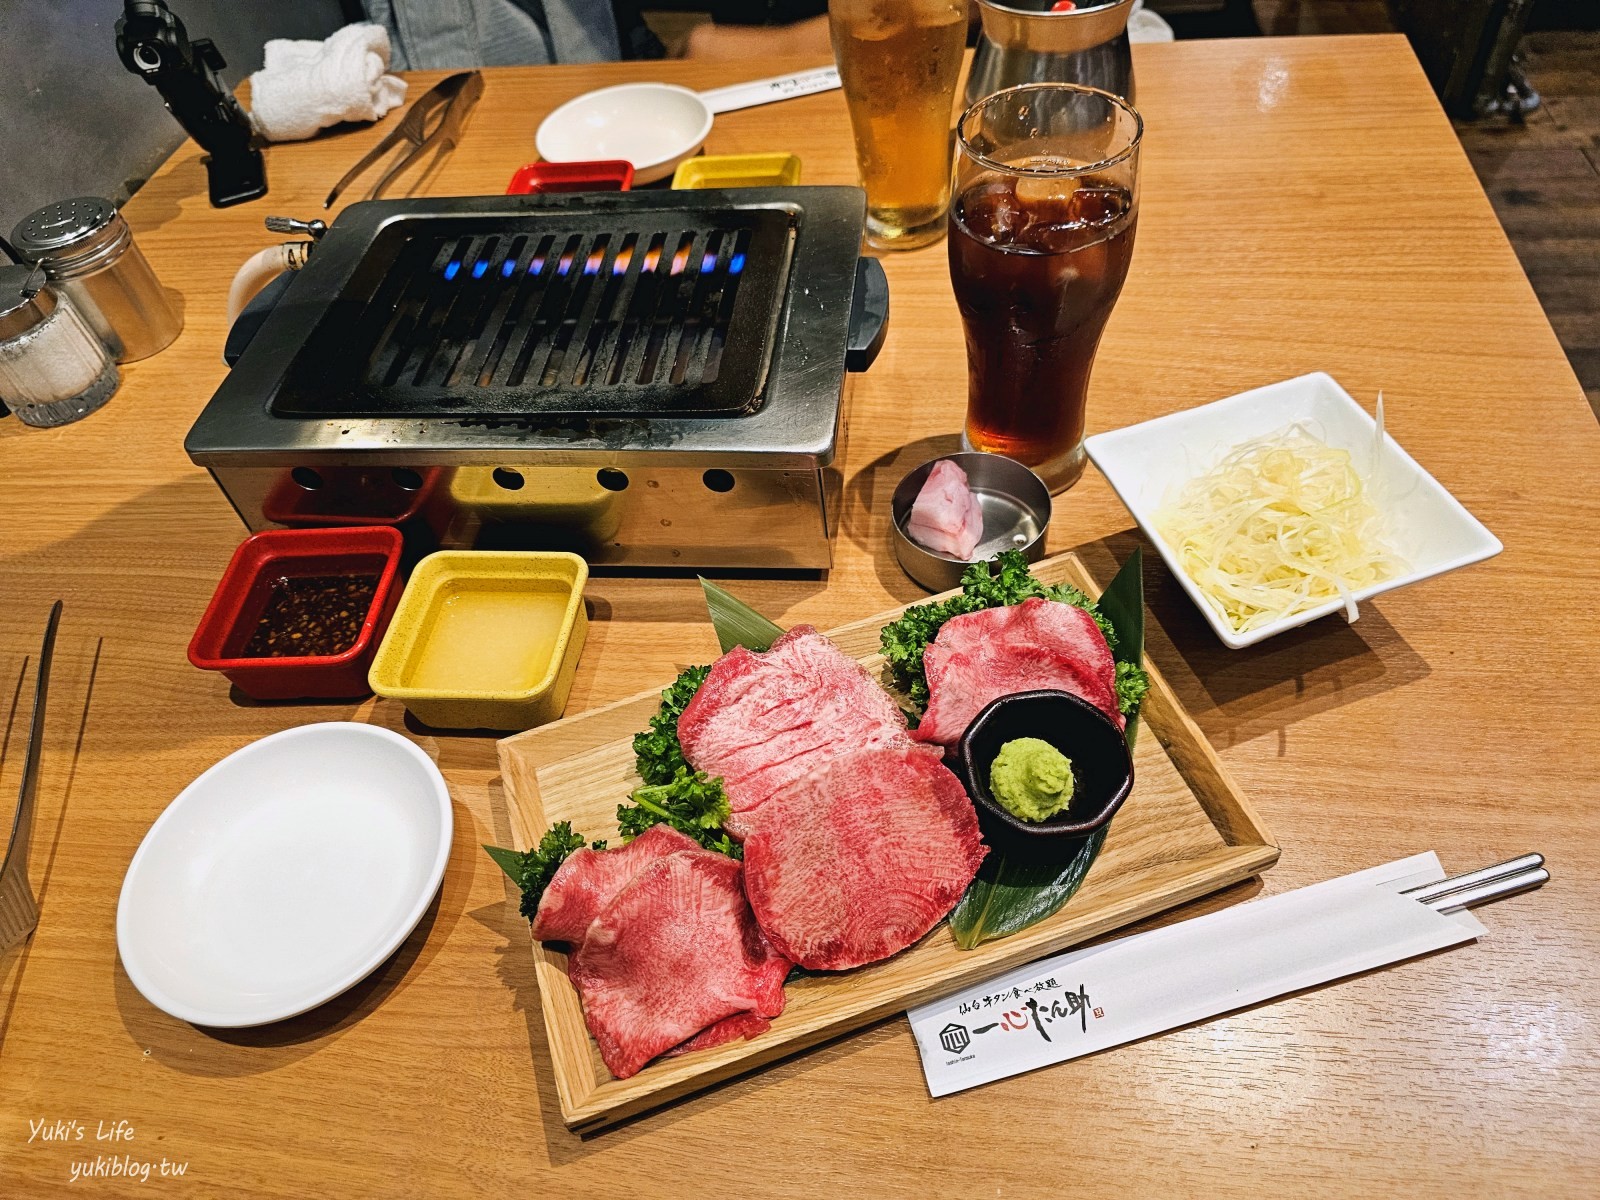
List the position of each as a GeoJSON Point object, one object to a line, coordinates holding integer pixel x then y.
{"type": "Point", "coordinates": [284, 875]}
{"type": "Point", "coordinates": [655, 126]}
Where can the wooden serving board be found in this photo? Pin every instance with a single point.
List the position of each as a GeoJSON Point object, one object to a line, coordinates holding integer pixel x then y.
{"type": "Point", "coordinates": [1186, 830]}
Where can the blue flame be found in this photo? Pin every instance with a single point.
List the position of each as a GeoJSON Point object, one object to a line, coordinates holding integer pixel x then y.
{"type": "Point", "coordinates": [508, 268]}
{"type": "Point", "coordinates": [736, 263]}
{"type": "Point", "coordinates": [451, 268]}
{"type": "Point", "coordinates": [708, 262]}
{"type": "Point", "coordinates": [479, 267]}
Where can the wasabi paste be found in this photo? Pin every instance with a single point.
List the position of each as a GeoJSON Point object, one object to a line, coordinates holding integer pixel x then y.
{"type": "Point", "coordinates": [1031, 779]}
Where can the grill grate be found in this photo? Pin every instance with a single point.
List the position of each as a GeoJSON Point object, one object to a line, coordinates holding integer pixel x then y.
{"type": "Point", "coordinates": [518, 320]}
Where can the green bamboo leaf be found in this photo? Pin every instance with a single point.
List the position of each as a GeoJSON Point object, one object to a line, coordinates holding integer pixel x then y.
{"type": "Point", "coordinates": [1122, 603]}
{"type": "Point", "coordinates": [736, 623]}
{"type": "Point", "coordinates": [509, 861]}
{"type": "Point", "coordinates": [1009, 895]}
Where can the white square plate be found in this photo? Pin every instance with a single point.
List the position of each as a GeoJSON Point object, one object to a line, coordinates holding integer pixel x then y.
{"type": "Point", "coordinates": [1429, 527]}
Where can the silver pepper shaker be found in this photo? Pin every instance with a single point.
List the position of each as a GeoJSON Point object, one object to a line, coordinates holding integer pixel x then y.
{"type": "Point", "coordinates": [89, 256]}
{"type": "Point", "coordinates": [54, 369]}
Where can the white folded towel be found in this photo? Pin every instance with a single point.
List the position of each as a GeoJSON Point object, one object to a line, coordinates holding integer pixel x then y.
{"type": "Point", "coordinates": [306, 85]}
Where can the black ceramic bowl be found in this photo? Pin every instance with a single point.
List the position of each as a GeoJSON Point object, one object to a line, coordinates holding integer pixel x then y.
{"type": "Point", "coordinates": [1102, 768]}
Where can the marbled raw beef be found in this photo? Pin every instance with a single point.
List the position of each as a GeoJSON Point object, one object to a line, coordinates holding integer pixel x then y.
{"type": "Point", "coordinates": [583, 885]}
{"type": "Point", "coordinates": [675, 951]}
{"type": "Point", "coordinates": [981, 656]}
{"type": "Point", "coordinates": [860, 857]}
{"type": "Point", "coordinates": [761, 721]}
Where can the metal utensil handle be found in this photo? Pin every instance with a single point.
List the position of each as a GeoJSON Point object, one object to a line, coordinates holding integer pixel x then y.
{"type": "Point", "coordinates": [22, 825]}
{"type": "Point", "coordinates": [765, 91]}
{"type": "Point", "coordinates": [1428, 892]}
{"type": "Point", "coordinates": [1494, 889]}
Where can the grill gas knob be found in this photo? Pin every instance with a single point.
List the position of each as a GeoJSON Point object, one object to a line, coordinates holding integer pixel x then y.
{"type": "Point", "coordinates": [312, 229]}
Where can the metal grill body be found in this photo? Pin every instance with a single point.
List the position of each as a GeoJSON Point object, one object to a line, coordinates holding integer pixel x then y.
{"type": "Point", "coordinates": [654, 379]}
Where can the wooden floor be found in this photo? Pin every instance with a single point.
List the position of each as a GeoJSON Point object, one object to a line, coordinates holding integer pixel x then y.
{"type": "Point", "coordinates": [1543, 177]}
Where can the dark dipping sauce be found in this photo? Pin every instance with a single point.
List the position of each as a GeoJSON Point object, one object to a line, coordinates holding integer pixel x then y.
{"type": "Point", "coordinates": [313, 616]}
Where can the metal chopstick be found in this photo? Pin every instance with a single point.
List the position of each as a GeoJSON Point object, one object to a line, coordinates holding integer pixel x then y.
{"type": "Point", "coordinates": [1427, 893]}
{"type": "Point", "coordinates": [1494, 889]}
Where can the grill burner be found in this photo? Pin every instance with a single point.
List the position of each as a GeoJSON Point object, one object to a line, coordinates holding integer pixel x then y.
{"type": "Point", "coordinates": [464, 318]}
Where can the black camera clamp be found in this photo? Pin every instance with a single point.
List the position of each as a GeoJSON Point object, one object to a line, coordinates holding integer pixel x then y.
{"type": "Point", "coordinates": [153, 44]}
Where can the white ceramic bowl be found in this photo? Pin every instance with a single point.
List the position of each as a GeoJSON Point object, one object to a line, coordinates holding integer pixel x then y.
{"type": "Point", "coordinates": [284, 874]}
{"type": "Point", "coordinates": [1430, 528]}
{"type": "Point", "coordinates": [655, 126]}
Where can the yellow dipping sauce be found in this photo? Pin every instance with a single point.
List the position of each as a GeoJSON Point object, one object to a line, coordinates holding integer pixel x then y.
{"type": "Point", "coordinates": [489, 640]}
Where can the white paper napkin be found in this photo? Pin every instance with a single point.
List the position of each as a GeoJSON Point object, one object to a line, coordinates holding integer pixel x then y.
{"type": "Point", "coordinates": [1087, 1000]}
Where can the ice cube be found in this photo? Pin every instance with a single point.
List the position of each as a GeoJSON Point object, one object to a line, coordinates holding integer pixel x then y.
{"type": "Point", "coordinates": [1052, 237]}
{"type": "Point", "coordinates": [1099, 205]}
{"type": "Point", "coordinates": [992, 213]}
{"type": "Point", "coordinates": [1046, 189]}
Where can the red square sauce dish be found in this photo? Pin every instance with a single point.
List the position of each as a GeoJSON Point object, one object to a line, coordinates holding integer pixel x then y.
{"type": "Point", "coordinates": [299, 613]}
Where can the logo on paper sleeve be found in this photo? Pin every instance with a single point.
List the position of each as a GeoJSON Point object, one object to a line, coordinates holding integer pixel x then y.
{"type": "Point", "coordinates": [955, 1038]}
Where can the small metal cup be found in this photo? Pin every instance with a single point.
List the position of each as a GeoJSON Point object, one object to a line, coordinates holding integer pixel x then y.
{"type": "Point", "coordinates": [1016, 514]}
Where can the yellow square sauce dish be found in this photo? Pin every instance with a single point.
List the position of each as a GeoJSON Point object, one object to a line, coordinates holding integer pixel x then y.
{"type": "Point", "coordinates": [485, 639]}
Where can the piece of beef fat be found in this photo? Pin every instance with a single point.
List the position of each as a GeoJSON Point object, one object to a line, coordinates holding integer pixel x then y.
{"type": "Point", "coordinates": [946, 516]}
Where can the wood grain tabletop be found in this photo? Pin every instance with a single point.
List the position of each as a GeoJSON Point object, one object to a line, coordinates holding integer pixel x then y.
{"type": "Point", "coordinates": [1305, 207]}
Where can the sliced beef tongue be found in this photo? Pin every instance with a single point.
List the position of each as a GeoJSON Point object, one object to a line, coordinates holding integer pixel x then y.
{"type": "Point", "coordinates": [860, 857]}
{"type": "Point", "coordinates": [744, 1025]}
{"type": "Point", "coordinates": [981, 656]}
{"type": "Point", "coordinates": [761, 721]}
{"type": "Point", "coordinates": [676, 951]}
{"type": "Point", "coordinates": [584, 884]}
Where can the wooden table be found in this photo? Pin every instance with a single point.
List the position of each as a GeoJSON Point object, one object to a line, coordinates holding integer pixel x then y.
{"type": "Point", "coordinates": [1305, 207]}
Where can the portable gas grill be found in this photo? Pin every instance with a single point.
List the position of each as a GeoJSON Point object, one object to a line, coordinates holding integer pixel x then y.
{"type": "Point", "coordinates": [653, 379]}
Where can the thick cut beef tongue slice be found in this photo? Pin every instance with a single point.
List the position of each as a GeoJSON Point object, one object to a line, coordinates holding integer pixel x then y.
{"type": "Point", "coordinates": [675, 951]}
{"type": "Point", "coordinates": [761, 721]}
{"type": "Point", "coordinates": [584, 884]}
{"type": "Point", "coordinates": [860, 858]}
{"type": "Point", "coordinates": [744, 1025]}
{"type": "Point", "coordinates": [981, 656]}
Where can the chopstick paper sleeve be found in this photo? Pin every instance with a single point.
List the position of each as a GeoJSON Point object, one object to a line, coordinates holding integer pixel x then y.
{"type": "Point", "coordinates": [1087, 1000]}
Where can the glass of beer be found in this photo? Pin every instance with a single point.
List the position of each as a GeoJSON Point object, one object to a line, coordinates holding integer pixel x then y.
{"type": "Point", "coordinates": [898, 60]}
{"type": "Point", "coordinates": [1041, 231]}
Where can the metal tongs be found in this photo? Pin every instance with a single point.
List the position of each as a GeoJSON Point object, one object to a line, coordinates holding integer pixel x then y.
{"type": "Point", "coordinates": [19, 912]}
{"type": "Point", "coordinates": [434, 120]}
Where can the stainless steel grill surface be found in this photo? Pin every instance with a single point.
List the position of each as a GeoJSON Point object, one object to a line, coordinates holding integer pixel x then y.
{"type": "Point", "coordinates": [568, 320]}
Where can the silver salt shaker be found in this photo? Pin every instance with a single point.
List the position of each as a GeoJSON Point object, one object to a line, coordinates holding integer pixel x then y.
{"type": "Point", "coordinates": [54, 369]}
{"type": "Point", "coordinates": [89, 256]}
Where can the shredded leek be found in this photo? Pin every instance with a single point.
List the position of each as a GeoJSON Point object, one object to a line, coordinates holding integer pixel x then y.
{"type": "Point", "coordinates": [1281, 525]}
